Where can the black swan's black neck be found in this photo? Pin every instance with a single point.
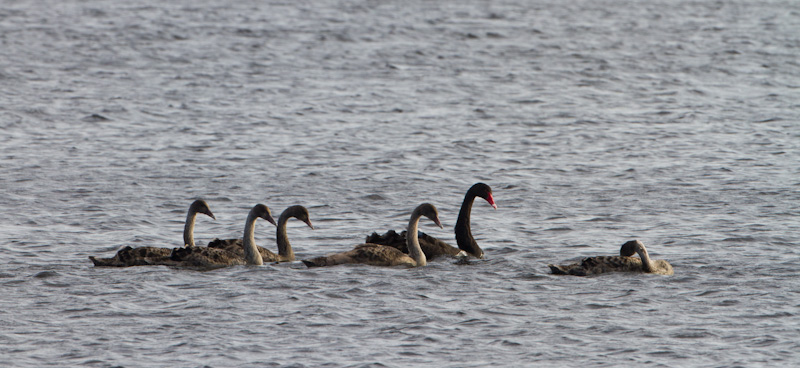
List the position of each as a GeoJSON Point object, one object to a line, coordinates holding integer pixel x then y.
{"type": "Point", "coordinates": [463, 231]}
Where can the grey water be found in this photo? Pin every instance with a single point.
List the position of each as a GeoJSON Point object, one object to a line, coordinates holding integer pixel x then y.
{"type": "Point", "coordinates": [595, 122]}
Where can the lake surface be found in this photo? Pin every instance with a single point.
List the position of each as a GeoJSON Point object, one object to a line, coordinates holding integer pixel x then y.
{"type": "Point", "coordinates": [595, 122]}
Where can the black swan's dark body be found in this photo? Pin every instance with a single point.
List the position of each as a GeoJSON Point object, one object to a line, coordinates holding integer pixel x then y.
{"type": "Point", "coordinates": [433, 247]}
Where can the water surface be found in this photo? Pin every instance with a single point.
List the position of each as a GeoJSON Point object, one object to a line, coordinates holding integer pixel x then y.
{"type": "Point", "coordinates": [595, 122]}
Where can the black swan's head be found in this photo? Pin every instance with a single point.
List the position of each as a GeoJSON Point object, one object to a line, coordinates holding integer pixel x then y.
{"type": "Point", "coordinates": [484, 191]}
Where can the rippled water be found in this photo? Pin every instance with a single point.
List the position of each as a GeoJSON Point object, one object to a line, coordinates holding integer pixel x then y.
{"type": "Point", "coordinates": [595, 122]}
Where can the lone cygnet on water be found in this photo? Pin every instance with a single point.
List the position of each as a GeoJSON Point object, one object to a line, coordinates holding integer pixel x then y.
{"type": "Point", "coordinates": [213, 257]}
{"type": "Point", "coordinates": [381, 255]}
{"type": "Point", "coordinates": [285, 252]}
{"type": "Point", "coordinates": [433, 247]}
{"type": "Point", "coordinates": [622, 263]}
{"type": "Point", "coordinates": [146, 256]}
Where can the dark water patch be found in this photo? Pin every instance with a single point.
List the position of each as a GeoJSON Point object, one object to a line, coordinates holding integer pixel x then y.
{"type": "Point", "coordinates": [95, 118]}
{"type": "Point", "coordinates": [709, 292]}
{"type": "Point", "coordinates": [606, 219]}
{"type": "Point", "coordinates": [761, 342]}
{"type": "Point", "coordinates": [473, 322]}
{"type": "Point", "coordinates": [768, 315]}
{"type": "Point", "coordinates": [531, 277]}
{"type": "Point", "coordinates": [746, 239]}
{"type": "Point", "coordinates": [46, 274]}
{"type": "Point", "coordinates": [728, 303]}
{"type": "Point", "coordinates": [375, 197]}
{"type": "Point", "coordinates": [559, 229]}
{"type": "Point", "coordinates": [505, 343]}
{"type": "Point", "coordinates": [693, 334]}
{"type": "Point", "coordinates": [664, 353]}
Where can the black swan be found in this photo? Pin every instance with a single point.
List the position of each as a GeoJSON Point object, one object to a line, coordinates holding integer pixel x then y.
{"type": "Point", "coordinates": [622, 263]}
{"type": "Point", "coordinates": [285, 253]}
{"type": "Point", "coordinates": [215, 257]}
{"type": "Point", "coordinates": [433, 247]}
{"type": "Point", "coordinates": [145, 256]}
{"type": "Point", "coordinates": [381, 255]}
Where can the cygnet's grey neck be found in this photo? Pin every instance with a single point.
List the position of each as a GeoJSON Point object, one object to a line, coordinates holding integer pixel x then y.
{"type": "Point", "coordinates": [251, 254]}
{"type": "Point", "coordinates": [284, 247]}
{"type": "Point", "coordinates": [188, 229]}
{"type": "Point", "coordinates": [647, 264]}
{"type": "Point", "coordinates": [412, 241]}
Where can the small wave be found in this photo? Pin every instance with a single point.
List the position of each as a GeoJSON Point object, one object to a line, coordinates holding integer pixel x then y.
{"type": "Point", "coordinates": [46, 274]}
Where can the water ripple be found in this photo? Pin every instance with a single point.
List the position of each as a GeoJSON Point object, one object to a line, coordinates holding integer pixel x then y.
{"type": "Point", "coordinates": [594, 123]}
